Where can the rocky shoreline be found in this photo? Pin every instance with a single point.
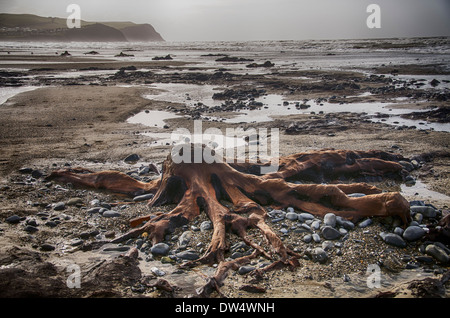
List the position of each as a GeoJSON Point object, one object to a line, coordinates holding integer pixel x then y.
{"type": "Point", "coordinates": [68, 122]}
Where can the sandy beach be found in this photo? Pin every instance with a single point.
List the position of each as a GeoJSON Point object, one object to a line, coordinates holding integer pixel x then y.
{"type": "Point", "coordinates": [82, 120]}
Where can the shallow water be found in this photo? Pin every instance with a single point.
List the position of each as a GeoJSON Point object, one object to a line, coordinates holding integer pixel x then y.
{"type": "Point", "coordinates": [273, 106]}
{"type": "Point", "coordinates": [8, 92]}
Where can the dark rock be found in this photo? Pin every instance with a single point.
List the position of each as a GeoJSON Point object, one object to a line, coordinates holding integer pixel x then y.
{"type": "Point", "coordinates": [330, 233]}
{"type": "Point", "coordinates": [13, 219]}
{"type": "Point", "coordinates": [437, 253]}
{"type": "Point", "coordinates": [132, 158]}
{"type": "Point", "coordinates": [393, 239]}
{"type": "Point", "coordinates": [413, 233]}
{"type": "Point", "coordinates": [47, 247]}
{"type": "Point", "coordinates": [188, 255]}
{"type": "Point", "coordinates": [143, 197]}
{"type": "Point", "coordinates": [160, 249]}
{"type": "Point", "coordinates": [30, 229]}
{"type": "Point", "coordinates": [245, 269]}
{"type": "Point", "coordinates": [59, 206]}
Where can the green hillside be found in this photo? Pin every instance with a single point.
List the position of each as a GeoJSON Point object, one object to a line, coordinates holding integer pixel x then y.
{"type": "Point", "coordinates": [29, 27]}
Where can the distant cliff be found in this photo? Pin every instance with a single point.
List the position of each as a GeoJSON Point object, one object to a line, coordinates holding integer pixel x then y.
{"type": "Point", "coordinates": [28, 27]}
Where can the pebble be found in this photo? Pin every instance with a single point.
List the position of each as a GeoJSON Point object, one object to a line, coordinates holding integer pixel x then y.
{"type": "Point", "coordinates": [132, 158]}
{"type": "Point", "coordinates": [356, 195]}
{"type": "Point", "coordinates": [413, 233]}
{"type": "Point", "coordinates": [292, 216]}
{"type": "Point", "coordinates": [205, 226]}
{"type": "Point", "coordinates": [188, 255]}
{"type": "Point", "coordinates": [365, 223]}
{"type": "Point", "coordinates": [185, 238]}
{"type": "Point", "coordinates": [74, 201]}
{"type": "Point", "coordinates": [316, 237]}
{"type": "Point", "coordinates": [245, 269]}
{"type": "Point", "coordinates": [437, 253]}
{"type": "Point", "coordinates": [330, 233]}
{"type": "Point", "coordinates": [330, 219]}
{"type": "Point", "coordinates": [426, 211]}
{"type": "Point", "coordinates": [348, 225]}
{"type": "Point", "coordinates": [305, 216]}
{"type": "Point", "coordinates": [398, 230]}
{"type": "Point", "coordinates": [13, 219]}
{"type": "Point", "coordinates": [59, 206]}
{"type": "Point", "coordinates": [47, 247]}
{"type": "Point", "coordinates": [51, 223]}
{"type": "Point", "coordinates": [315, 225]}
{"type": "Point", "coordinates": [393, 239]}
{"type": "Point", "coordinates": [94, 210]}
{"type": "Point", "coordinates": [122, 248]}
{"type": "Point", "coordinates": [319, 255]}
{"type": "Point", "coordinates": [160, 249]}
{"type": "Point", "coordinates": [111, 214]}
{"type": "Point", "coordinates": [143, 197]}
{"type": "Point", "coordinates": [307, 238]}
{"type": "Point", "coordinates": [157, 271]}
{"type": "Point", "coordinates": [30, 229]}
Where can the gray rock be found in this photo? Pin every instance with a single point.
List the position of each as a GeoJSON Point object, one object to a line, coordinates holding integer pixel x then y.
{"type": "Point", "coordinates": [47, 247]}
{"type": "Point", "coordinates": [315, 225]}
{"type": "Point", "coordinates": [143, 197]}
{"type": "Point", "coordinates": [94, 210]}
{"type": "Point", "coordinates": [122, 248]}
{"type": "Point", "coordinates": [348, 225]}
{"type": "Point", "coordinates": [188, 255]}
{"type": "Point", "coordinates": [330, 219]}
{"type": "Point", "coordinates": [327, 245]}
{"type": "Point", "coordinates": [330, 233]}
{"type": "Point", "coordinates": [305, 216]}
{"type": "Point", "coordinates": [205, 226]}
{"type": "Point", "coordinates": [307, 238]}
{"type": "Point", "coordinates": [290, 209]}
{"type": "Point", "coordinates": [185, 238]}
{"type": "Point", "coordinates": [132, 158]}
{"type": "Point", "coordinates": [426, 211]}
{"type": "Point", "coordinates": [365, 223]}
{"type": "Point", "coordinates": [59, 206]}
{"type": "Point", "coordinates": [356, 195]}
{"type": "Point", "coordinates": [413, 233]}
{"type": "Point", "coordinates": [160, 249]}
{"type": "Point", "coordinates": [319, 255]}
{"type": "Point", "coordinates": [437, 253]}
{"type": "Point", "coordinates": [13, 219]}
{"type": "Point", "coordinates": [157, 271]}
{"type": "Point", "coordinates": [393, 239]}
{"type": "Point", "coordinates": [245, 269]}
{"type": "Point", "coordinates": [306, 227]}
{"type": "Point", "coordinates": [74, 201]}
{"type": "Point", "coordinates": [292, 216]}
{"type": "Point", "coordinates": [111, 214]}
{"type": "Point", "coordinates": [30, 229]}
{"type": "Point", "coordinates": [398, 230]}
{"type": "Point", "coordinates": [316, 237]}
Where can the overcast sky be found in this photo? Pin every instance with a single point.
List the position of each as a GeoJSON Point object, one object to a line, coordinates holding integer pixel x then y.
{"type": "Point", "coordinates": [223, 20]}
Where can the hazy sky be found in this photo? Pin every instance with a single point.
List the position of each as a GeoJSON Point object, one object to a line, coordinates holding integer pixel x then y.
{"type": "Point", "coordinates": [204, 20]}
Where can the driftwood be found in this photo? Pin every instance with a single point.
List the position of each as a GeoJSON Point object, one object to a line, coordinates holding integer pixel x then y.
{"type": "Point", "coordinates": [197, 187]}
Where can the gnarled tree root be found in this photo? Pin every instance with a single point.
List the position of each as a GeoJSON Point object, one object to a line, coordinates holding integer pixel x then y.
{"type": "Point", "coordinates": [197, 187]}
